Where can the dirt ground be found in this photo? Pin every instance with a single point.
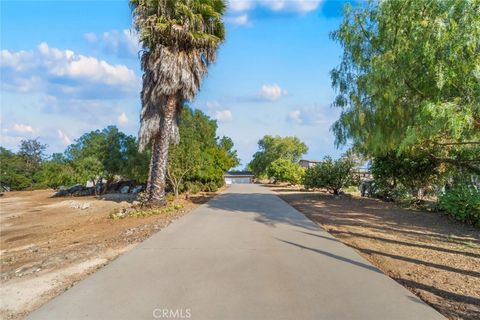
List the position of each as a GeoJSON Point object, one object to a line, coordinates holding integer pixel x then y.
{"type": "Point", "coordinates": [47, 244]}
{"type": "Point", "coordinates": [435, 257]}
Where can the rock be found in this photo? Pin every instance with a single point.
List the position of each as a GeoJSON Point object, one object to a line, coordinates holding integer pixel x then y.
{"type": "Point", "coordinates": [124, 189]}
{"type": "Point", "coordinates": [79, 205]}
{"type": "Point", "coordinates": [76, 190]}
{"type": "Point", "coordinates": [137, 189]}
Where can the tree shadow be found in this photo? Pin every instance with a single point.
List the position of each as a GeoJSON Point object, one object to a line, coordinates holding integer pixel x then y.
{"type": "Point", "coordinates": [334, 256]}
{"type": "Point", "coordinates": [354, 212]}
{"type": "Point", "coordinates": [410, 244]}
{"type": "Point", "coordinates": [471, 273]}
{"type": "Point", "coordinates": [264, 206]}
{"type": "Point", "coordinates": [118, 197]}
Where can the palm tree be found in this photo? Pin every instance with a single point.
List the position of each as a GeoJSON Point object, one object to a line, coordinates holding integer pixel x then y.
{"type": "Point", "coordinates": [180, 39]}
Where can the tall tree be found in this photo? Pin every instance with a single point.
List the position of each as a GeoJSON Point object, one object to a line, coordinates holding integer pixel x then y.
{"type": "Point", "coordinates": [409, 79]}
{"type": "Point", "coordinates": [272, 148]}
{"type": "Point", "coordinates": [180, 39]}
{"type": "Point", "coordinates": [104, 154]}
{"type": "Point", "coordinates": [200, 157]}
{"type": "Point", "coordinates": [32, 152]}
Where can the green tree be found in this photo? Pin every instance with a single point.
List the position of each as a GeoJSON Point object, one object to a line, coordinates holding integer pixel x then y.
{"type": "Point", "coordinates": [330, 174]}
{"type": "Point", "coordinates": [105, 154]}
{"type": "Point", "coordinates": [33, 154]}
{"type": "Point", "coordinates": [180, 39]}
{"type": "Point", "coordinates": [14, 172]}
{"type": "Point", "coordinates": [56, 172]}
{"type": "Point", "coordinates": [135, 164]}
{"type": "Point", "coordinates": [285, 170]}
{"type": "Point", "coordinates": [409, 79]}
{"type": "Point", "coordinates": [200, 157]}
{"type": "Point", "coordinates": [273, 148]}
{"type": "Point", "coordinates": [392, 171]}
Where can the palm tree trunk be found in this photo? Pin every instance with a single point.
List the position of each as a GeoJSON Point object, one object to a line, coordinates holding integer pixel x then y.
{"type": "Point", "coordinates": [158, 163]}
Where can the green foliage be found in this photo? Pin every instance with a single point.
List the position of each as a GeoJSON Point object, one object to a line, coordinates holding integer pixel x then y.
{"type": "Point", "coordinates": [56, 172]}
{"type": "Point", "coordinates": [33, 153]}
{"type": "Point", "coordinates": [409, 79]}
{"type": "Point", "coordinates": [284, 170]}
{"type": "Point", "coordinates": [273, 148]}
{"type": "Point", "coordinates": [193, 187]}
{"type": "Point", "coordinates": [187, 23]}
{"type": "Point", "coordinates": [19, 171]}
{"type": "Point", "coordinates": [200, 158]}
{"type": "Point", "coordinates": [105, 154]}
{"type": "Point", "coordinates": [462, 202]}
{"type": "Point", "coordinates": [13, 171]}
{"type": "Point", "coordinates": [399, 176]}
{"type": "Point", "coordinates": [330, 174]}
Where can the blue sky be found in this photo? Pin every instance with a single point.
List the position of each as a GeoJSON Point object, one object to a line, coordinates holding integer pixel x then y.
{"type": "Point", "coordinates": [68, 67]}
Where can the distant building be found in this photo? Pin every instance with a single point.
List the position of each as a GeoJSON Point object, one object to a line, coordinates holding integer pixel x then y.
{"type": "Point", "coordinates": [363, 173]}
{"type": "Point", "coordinates": [238, 177]}
{"type": "Point", "coordinates": [308, 163]}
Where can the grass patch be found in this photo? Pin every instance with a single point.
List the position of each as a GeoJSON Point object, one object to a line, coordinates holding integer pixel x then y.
{"type": "Point", "coordinates": [142, 212]}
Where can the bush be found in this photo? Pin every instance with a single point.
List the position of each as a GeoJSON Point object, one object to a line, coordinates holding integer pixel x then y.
{"type": "Point", "coordinates": [193, 187]}
{"type": "Point", "coordinates": [330, 174]}
{"type": "Point", "coordinates": [463, 203]}
{"type": "Point", "coordinates": [210, 187]}
{"type": "Point", "coordinates": [285, 170]}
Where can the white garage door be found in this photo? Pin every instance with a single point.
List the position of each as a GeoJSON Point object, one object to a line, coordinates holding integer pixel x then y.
{"type": "Point", "coordinates": [235, 180]}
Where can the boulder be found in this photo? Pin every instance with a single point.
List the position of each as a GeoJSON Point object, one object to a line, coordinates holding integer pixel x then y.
{"type": "Point", "coordinates": [76, 190]}
{"type": "Point", "coordinates": [124, 189]}
{"type": "Point", "coordinates": [137, 189]}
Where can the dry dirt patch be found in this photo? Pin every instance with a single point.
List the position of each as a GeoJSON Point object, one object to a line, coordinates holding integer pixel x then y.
{"type": "Point", "coordinates": [47, 244]}
{"type": "Point", "coordinates": [435, 257]}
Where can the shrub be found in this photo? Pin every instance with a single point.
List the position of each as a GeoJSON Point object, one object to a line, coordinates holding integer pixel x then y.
{"type": "Point", "coordinates": [193, 187]}
{"type": "Point", "coordinates": [210, 186]}
{"type": "Point", "coordinates": [330, 174]}
{"type": "Point", "coordinates": [463, 203]}
{"type": "Point", "coordinates": [285, 170]}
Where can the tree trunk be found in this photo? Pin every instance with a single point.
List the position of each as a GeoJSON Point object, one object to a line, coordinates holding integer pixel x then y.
{"type": "Point", "coordinates": [158, 163]}
{"type": "Point", "coordinates": [176, 187]}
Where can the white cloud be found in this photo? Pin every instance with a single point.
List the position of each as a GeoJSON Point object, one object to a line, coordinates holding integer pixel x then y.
{"type": "Point", "coordinates": [22, 128]}
{"type": "Point", "coordinates": [64, 138]}
{"type": "Point", "coordinates": [241, 5]}
{"type": "Point", "coordinates": [313, 116]}
{"type": "Point", "coordinates": [298, 6]}
{"type": "Point", "coordinates": [294, 116]}
{"type": "Point", "coordinates": [122, 118]}
{"type": "Point", "coordinates": [241, 20]}
{"type": "Point", "coordinates": [272, 92]}
{"type": "Point", "coordinates": [224, 115]}
{"type": "Point", "coordinates": [121, 43]}
{"type": "Point", "coordinates": [212, 105]}
{"type": "Point", "coordinates": [55, 71]}
{"type": "Point", "coordinates": [90, 37]}
{"type": "Point", "coordinates": [15, 60]}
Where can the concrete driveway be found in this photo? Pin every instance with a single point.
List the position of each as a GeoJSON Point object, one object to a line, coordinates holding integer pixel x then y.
{"type": "Point", "coordinates": [244, 255]}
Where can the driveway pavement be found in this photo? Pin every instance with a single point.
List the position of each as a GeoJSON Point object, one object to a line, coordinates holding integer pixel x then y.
{"type": "Point", "coordinates": [244, 255]}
